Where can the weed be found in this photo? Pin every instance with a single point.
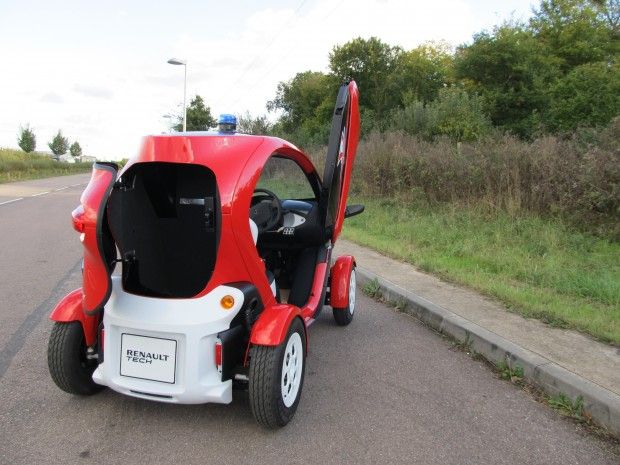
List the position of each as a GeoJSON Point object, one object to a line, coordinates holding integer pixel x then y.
{"type": "Point", "coordinates": [509, 372]}
{"type": "Point", "coordinates": [399, 304]}
{"type": "Point", "coordinates": [372, 289]}
{"type": "Point", "coordinates": [563, 404]}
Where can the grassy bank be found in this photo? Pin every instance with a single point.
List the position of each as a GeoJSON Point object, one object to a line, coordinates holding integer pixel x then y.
{"type": "Point", "coordinates": [538, 267]}
{"type": "Point", "coordinates": [18, 166]}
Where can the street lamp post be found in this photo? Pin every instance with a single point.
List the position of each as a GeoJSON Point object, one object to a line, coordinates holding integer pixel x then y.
{"type": "Point", "coordinates": [176, 61]}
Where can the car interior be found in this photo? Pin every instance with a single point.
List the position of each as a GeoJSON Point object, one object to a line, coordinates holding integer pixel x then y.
{"type": "Point", "coordinates": [289, 236]}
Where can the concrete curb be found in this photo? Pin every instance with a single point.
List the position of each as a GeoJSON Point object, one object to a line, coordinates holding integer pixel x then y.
{"type": "Point", "coordinates": [602, 404]}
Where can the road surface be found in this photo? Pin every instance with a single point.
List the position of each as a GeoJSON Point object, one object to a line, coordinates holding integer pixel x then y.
{"type": "Point", "coordinates": [383, 390]}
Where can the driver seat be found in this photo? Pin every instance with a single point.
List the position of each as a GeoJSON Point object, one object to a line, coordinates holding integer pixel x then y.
{"type": "Point", "coordinates": [271, 278]}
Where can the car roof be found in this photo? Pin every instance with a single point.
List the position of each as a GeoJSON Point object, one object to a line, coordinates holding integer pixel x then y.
{"type": "Point", "coordinates": [227, 155]}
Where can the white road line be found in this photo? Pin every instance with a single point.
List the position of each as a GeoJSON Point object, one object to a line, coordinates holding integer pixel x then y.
{"type": "Point", "coordinates": [11, 201]}
{"type": "Point", "coordinates": [40, 193]}
{"type": "Point", "coordinates": [61, 188]}
{"type": "Point", "coordinates": [78, 184]}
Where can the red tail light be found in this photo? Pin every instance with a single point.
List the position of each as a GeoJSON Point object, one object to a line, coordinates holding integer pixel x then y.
{"type": "Point", "coordinates": [218, 355]}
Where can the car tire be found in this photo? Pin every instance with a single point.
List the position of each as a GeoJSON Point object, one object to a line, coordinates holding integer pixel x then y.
{"type": "Point", "coordinates": [344, 316]}
{"type": "Point", "coordinates": [276, 378]}
{"type": "Point", "coordinates": [66, 359]}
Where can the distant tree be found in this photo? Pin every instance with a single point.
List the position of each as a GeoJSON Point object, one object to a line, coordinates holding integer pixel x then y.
{"type": "Point", "coordinates": [306, 102]}
{"type": "Point", "coordinates": [576, 31]}
{"type": "Point", "coordinates": [199, 116]}
{"type": "Point", "coordinates": [512, 71]}
{"type": "Point", "coordinates": [422, 71]}
{"type": "Point", "coordinates": [371, 63]}
{"type": "Point", "coordinates": [27, 141]}
{"type": "Point", "coordinates": [75, 150]}
{"type": "Point", "coordinates": [589, 95]}
{"type": "Point", "coordinates": [59, 144]}
{"type": "Point", "coordinates": [247, 124]}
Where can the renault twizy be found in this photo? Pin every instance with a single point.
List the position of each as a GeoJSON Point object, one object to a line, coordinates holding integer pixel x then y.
{"type": "Point", "coordinates": [224, 244]}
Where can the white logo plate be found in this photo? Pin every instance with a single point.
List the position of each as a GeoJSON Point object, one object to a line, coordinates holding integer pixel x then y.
{"type": "Point", "coordinates": [149, 358]}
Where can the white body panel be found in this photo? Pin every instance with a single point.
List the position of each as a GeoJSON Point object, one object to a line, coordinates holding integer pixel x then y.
{"type": "Point", "coordinates": [192, 323]}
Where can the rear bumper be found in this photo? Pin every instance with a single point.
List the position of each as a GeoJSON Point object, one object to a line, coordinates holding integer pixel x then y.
{"type": "Point", "coordinates": [192, 323]}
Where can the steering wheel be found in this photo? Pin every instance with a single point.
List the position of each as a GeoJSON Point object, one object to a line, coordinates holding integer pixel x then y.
{"type": "Point", "coordinates": [266, 209]}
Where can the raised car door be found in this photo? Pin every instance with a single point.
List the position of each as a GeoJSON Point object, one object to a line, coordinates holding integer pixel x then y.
{"type": "Point", "coordinates": [90, 220]}
{"type": "Point", "coordinates": [343, 139]}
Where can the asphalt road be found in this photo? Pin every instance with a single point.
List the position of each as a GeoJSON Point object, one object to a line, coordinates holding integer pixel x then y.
{"type": "Point", "coordinates": [383, 390]}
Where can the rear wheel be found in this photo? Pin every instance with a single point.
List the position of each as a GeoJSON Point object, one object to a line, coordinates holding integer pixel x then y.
{"type": "Point", "coordinates": [277, 377]}
{"type": "Point", "coordinates": [66, 358]}
{"type": "Point", "coordinates": [344, 316]}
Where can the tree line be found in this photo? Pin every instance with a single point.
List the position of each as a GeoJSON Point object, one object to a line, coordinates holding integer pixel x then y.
{"type": "Point", "coordinates": [552, 74]}
{"type": "Point", "coordinates": [27, 141]}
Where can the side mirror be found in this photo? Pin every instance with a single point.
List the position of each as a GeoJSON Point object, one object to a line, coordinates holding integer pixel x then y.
{"type": "Point", "coordinates": [353, 210]}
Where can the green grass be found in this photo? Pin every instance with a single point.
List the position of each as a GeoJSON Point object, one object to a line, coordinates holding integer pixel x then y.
{"type": "Point", "coordinates": [16, 165]}
{"type": "Point", "coordinates": [538, 267]}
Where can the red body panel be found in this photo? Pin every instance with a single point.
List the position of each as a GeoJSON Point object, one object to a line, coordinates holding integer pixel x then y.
{"type": "Point", "coordinates": [237, 162]}
{"type": "Point", "coordinates": [351, 149]}
{"type": "Point", "coordinates": [308, 311]}
{"type": "Point", "coordinates": [339, 286]}
{"type": "Point", "coordinates": [70, 309]}
{"type": "Point", "coordinates": [271, 327]}
{"type": "Point", "coordinates": [96, 275]}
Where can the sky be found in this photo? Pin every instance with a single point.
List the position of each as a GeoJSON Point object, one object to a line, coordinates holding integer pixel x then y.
{"type": "Point", "coordinates": [98, 70]}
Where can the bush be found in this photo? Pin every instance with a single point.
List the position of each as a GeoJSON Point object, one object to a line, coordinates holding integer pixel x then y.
{"type": "Point", "coordinates": [454, 113]}
{"type": "Point", "coordinates": [575, 178]}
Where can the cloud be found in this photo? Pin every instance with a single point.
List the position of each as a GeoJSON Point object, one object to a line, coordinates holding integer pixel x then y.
{"type": "Point", "coordinates": [52, 97]}
{"type": "Point", "coordinates": [113, 85]}
{"type": "Point", "coordinates": [92, 91]}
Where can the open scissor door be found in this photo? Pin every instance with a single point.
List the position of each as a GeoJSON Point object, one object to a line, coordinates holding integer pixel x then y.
{"type": "Point", "coordinates": [341, 150]}
{"type": "Point", "coordinates": [90, 220]}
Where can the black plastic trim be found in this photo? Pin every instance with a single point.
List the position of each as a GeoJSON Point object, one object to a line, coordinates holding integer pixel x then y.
{"type": "Point", "coordinates": [234, 343]}
{"type": "Point", "coordinates": [331, 160]}
{"type": "Point", "coordinates": [252, 305]}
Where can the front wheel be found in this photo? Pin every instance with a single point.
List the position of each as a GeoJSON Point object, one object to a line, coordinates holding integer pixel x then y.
{"type": "Point", "coordinates": [277, 377]}
{"type": "Point", "coordinates": [66, 358]}
{"type": "Point", "coordinates": [344, 316]}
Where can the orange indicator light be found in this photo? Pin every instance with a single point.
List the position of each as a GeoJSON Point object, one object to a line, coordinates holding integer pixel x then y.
{"type": "Point", "coordinates": [227, 302]}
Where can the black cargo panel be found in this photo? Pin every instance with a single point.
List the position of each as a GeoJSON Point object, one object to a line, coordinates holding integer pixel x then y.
{"type": "Point", "coordinates": [165, 221]}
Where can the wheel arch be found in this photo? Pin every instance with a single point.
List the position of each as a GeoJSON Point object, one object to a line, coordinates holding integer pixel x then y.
{"type": "Point", "coordinates": [339, 281]}
{"type": "Point", "coordinates": [273, 324]}
{"type": "Point", "coordinates": [70, 309]}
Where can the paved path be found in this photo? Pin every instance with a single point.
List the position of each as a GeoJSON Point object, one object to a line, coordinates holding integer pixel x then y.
{"type": "Point", "coordinates": [578, 353]}
{"type": "Point", "coordinates": [383, 390]}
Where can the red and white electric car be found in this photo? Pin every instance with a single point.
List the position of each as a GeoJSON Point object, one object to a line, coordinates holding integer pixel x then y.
{"type": "Point", "coordinates": [224, 243]}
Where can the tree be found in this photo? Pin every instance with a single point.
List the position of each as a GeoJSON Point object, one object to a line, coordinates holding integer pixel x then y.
{"type": "Point", "coordinates": [512, 71]}
{"type": "Point", "coordinates": [27, 141]}
{"type": "Point", "coordinates": [59, 144]}
{"type": "Point", "coordinates": [75, 150]}
{"type": "Point", "coordinates": [421, 72]}
{"type": "Point", "coordinates": [576, 31]}
{"type": "Point", "coordinates": [589, 95]}
{"type": "Point", "coordinates": [247, 124]}
{"type": "Point", "coordinates": [371, 63]}
{"type": "Point", "coordinates": [305, 101]}
{"type": "Point", "coordinates": [199, 116]}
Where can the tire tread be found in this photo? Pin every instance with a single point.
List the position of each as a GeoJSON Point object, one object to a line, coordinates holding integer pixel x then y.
{"type": "Point", "coordinates": [63, 342]}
